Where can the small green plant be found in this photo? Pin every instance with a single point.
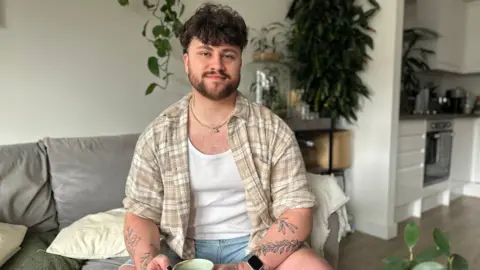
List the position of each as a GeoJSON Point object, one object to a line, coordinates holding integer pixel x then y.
{"type": "Point", "coordinates": [427, 258]}
{"type": "Point", "coordinates": [268, 38]}
{"type": "Point", "coordinates": [166, 14]}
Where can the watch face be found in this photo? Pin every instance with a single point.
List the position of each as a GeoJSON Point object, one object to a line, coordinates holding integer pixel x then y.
{"type": "Point", "coordinates": [255, 262]}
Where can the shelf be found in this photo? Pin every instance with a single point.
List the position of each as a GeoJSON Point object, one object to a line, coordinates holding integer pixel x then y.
{"type": "Point", "coordinates": [319, 124]}
{"type": "Point", "coordinates": [319, 170]}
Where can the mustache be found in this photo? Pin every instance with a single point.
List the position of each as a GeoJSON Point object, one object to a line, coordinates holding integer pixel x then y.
{"type": "Point", "coordinates": [220, 73]}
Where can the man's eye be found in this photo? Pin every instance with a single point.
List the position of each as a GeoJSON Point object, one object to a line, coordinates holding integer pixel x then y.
{"type": "Point", "coordinates": [230, 56]}
{"type": "Point", "coordinates": [204, 53]}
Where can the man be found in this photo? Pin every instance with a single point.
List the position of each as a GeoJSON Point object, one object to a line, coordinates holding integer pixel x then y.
{"type": "Point", "coordinates": [216, 176]}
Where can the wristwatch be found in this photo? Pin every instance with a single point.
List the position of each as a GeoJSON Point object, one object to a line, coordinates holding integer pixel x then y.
{"type": "Point", "coordinates": [255, 263]}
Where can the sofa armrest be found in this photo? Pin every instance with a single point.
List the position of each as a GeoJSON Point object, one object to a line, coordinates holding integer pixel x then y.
{"type": "Point", "coordinates": [332, 246]}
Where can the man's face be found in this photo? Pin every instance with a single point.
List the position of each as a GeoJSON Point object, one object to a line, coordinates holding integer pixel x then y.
{"type": "Point", "coordinates": [214, 71]}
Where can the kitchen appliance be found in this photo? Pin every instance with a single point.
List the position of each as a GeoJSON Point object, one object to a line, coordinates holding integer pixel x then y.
{"type": "Point", "coordinates": [438, 151]}
{"type": "Point", "coordinates": [457, 98]}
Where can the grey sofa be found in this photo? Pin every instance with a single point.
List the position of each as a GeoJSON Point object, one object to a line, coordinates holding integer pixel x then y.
{"type": "Point", "coordinates": [49, 184]}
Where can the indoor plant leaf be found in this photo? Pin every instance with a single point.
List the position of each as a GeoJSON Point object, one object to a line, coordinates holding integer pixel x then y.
{"type": "Point", "coordinates": [428, 254]}
{"type": "Point", "coordinates": [160, 30]}
{"type": "Point", "coordinates": [459, 262]}
{"type": "Point", "coordinates": [153, 65]}
{"type": "Point", "coordinates": [150, 88]}
{"type": "Point", "coordinates": [410, 234]}
{"type": "Point", "coordinates": [429, 266]}
{"type": "Point", "coordinates": [441, 241]}
{"type": "Point", "coordinates": [374, 3]}
{"type": "Point", "coordinates": [148, 5]}
{"type": "Point", "coordinates": [123, 2]}
{"type": "Point", "coordinates": [395, 263]}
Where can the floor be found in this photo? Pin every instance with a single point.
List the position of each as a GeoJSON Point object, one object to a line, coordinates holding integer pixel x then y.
{"type": "Point", "coordinates": [461, 221]}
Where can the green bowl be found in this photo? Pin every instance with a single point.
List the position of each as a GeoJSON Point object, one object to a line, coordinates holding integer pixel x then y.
{"type": "Point", "coordinates": [194, 264]}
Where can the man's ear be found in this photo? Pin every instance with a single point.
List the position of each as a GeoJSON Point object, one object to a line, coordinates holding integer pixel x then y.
{"type": "Point", "coordinates": [185, 61]}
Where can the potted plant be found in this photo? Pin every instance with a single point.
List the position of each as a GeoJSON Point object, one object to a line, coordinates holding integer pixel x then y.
{"type": "Point", "coordinates": [270, 87]}
{"type": "Point", "coordinates": [426, 259]}
{"type": "Point", "coordinates": [414, 60]}
{"type": "Point", "coordinates": [266, 42]}
{"type": "Point", "coordinates": [166, 15]}
{"type": "Point", "coordinates": [327, 47]}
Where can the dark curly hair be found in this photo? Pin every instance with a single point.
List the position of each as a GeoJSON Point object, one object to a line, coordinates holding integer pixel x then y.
{"type": "Point", "coordinates": [215, 24]}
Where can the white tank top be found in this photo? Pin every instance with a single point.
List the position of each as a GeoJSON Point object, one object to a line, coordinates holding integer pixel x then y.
{"type": "Point", "coordinates": [218, 209]}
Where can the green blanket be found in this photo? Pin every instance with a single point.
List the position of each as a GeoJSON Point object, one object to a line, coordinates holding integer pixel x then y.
{"type": "Point", "coordinates": [33, 255]}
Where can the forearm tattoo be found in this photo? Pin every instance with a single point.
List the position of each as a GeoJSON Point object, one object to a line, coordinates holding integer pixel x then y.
{"type": "Point", "coordinates": [278, 247]}
{"type": "Point", "coordinates": [131, 241]}
{"type": "Point", "coordinates": [284, 225]}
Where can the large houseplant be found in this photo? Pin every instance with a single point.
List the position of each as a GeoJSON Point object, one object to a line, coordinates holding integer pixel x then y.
{"type": "Point", "coordinates": [328, 48]}
{"type": "Point", "coordinates": [166, 14]}
{"type": "Point", "coordinates": [415, 58]}
{"type": "Point", "coordinates": [428, 258]}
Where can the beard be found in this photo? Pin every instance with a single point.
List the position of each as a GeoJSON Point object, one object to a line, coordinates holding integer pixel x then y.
{"type": "Point", "coordinates": [200, 85]}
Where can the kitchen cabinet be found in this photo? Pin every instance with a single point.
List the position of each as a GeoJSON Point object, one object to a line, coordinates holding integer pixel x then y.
{"type": "Point", "coordinates": [463, 152]}
{"type": "Point", "coordinates": [457, 24]}
{"type": "Point", "coordinates": [410, 161]}
{"type": "Point", "coordinates": [410, 166]}
{"type": "Point", "coordinates": [475, 170]}
{"type": "Point", "coordinates": [412, 196]}
{"type": "Point", "coordinates": [472, 38]}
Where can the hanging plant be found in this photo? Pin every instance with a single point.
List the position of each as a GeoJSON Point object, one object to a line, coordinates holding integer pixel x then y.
{"type": "Point", "coordinates": [328, 48]}
{"type": "Point", "coordinates": [166, 15]}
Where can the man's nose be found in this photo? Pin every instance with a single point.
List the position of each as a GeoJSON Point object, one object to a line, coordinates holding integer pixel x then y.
{"type": "Point", "coordinates": [217, 62]}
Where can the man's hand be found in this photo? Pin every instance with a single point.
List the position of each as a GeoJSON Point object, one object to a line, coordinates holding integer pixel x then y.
{"type": "Point", "coordinates": [235, 266]}
{"type": "Point", "coordinates": [160, 262]}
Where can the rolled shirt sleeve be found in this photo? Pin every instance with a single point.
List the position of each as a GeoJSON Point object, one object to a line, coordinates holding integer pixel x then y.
{"type": "Point", "coordinates": [289, 184]}
{"type": "Point", "coordinates": [144, 189]}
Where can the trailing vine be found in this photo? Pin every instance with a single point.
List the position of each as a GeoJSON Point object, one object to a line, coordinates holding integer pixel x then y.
{"type": "Point", "coordinates": [166, 15]}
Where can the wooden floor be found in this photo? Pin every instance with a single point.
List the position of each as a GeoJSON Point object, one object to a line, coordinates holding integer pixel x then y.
{"type": "Point", "coordinates": [460, 221]}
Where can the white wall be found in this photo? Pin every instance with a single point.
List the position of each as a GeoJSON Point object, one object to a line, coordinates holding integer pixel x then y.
{"type": "Point", "coordinates": [372, 178]}
{"type": "Point", "coordinates": [77, 68]}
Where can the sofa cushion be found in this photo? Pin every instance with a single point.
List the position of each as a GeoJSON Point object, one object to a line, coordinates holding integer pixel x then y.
{"type": "Point", "coordinates": [105, 264]}
{"type": "Point", "coordinates": [95, 236]}
{"type": "Point", "coordinates": [25, 193]}
{"type": "Point", "coordinates": [11, 237]}
{"type": "Point", "coordinates": [32, 255]}
{"type": "Point", "coordinates": [88, 174]}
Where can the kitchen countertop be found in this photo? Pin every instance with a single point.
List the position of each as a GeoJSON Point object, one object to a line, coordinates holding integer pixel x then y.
{"type": "Point", "coordinates": [439, 116]}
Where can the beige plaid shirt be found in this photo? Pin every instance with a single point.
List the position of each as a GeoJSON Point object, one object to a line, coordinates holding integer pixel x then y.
{"type": "Point", "coordinates": [267, 156]}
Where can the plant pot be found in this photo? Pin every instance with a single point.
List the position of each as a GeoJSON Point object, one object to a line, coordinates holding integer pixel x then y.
{"type": "Point", "coordinates": [318, 156]}
{"type": "Point", "coordinates": [341, 150]}
{"type": "Point", "coordinates": [266, 56]}
{"type": "Point", "coordinates": [282, 113]}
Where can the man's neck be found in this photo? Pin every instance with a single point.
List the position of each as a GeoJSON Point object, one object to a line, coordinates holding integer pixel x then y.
{"type": "Point", "coordinates": [213, 112]}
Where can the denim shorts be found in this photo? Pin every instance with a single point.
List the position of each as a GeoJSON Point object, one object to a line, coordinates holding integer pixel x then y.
{"type": "Point", "coordinates": [217, 251]}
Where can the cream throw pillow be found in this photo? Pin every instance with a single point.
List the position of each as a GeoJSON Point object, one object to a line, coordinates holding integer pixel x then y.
{"type": "Point", "coordinates": [11, 237]}
{"type": "Point", "coordinates": [95, 236]}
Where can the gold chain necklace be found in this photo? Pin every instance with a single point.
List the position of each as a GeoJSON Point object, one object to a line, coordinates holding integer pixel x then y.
{"type": "Point", "coordinates": [215, 129]}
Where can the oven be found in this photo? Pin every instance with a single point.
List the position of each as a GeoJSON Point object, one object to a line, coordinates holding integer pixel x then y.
{"type": "Point", "coordinates": [438, 151]}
